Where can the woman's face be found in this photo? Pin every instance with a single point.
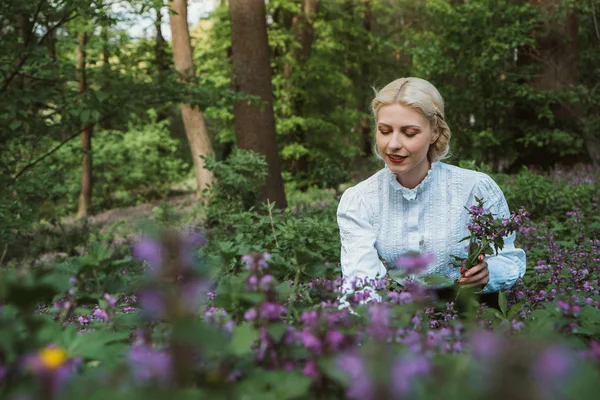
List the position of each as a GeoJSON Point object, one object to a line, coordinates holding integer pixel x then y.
{"type": "Point", "coordinates": [403, 139]}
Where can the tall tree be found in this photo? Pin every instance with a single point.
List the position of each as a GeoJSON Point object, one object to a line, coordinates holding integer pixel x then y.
{"type": "Point", "coordinates": [193, 118]}
{"type": "Point", "coordinates": [85, 195]}
{"type": "Point", "coordinates": [302, 26]}
{"type": "Point", "coordinates": [255, 123]}
{"type": "Point", "coordinates": [160, 53]}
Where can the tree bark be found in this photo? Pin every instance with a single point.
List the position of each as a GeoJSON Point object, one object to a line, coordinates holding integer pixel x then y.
{"type": "Point", "coordinates": [302, 25]}
{"type": "Point", "coordinates": [106, 71]}
{"type": "Point", "coordinates": [85, 196]}
{"type": "Point", "coordinates": [365, 124]}
{"type": "Point", "coordinates": [24, 29]}
{"type": "Point", "coordinates": [193, 119]}
{"type": "Point", "coordinates": [160, 58]}
{"type": "Point", "coordinates": [255, 124]}
{"type": "Point", "coordinates": [160, 54]}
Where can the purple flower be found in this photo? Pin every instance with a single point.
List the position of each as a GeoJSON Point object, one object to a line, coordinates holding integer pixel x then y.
{"type": "Point", "coordinates": [404, 372]}
{"type": "Point", "coordinates": [149, 250]}
{"type": "Point", "coordinates": [251, 314]}
{"type": "Point", "coordinates": [194, 239]}
{"type": "Point", "coordinates": [485, 345]}
{"type": "Point", "coordinates": [360, 386]}
{"type": "Point", "coordinates": [552, 365]}
{"type": "Point", "coordinates": [111, 300]}
{"type": "Point", "coordinates": [248, 261]}
{"type": "Point", "coordinates": [252, 282]}
{"type": "Point", "coordinates": [153, 303]}
{"type": "Point", "coordinates": [334, 339]}
{"type": "Point", "coordinates": [192, 292]}
{"type": "Point", "coordinates": [310, 318]}
{"type": "Point", "coordinates": [150, 365]}
{"type": "Point", "coordinates": [265, 282]}
{"type": "Point", "coordinates": [310, 368]}
{"type": "Point", "coordinates": [101, 314]}
{"type": "Point", "coordinates": [271, 311]}
{"type": "Point", "coordinates": [380, 321]}
{"type": "Point", "coordinates": [3, 373]}
{"type": "Point", "coordinates": [310, 341]}
{"type": "Point", "coordinates": [414, 264]}
{"type": "Point", "coordinates": [517, 325]}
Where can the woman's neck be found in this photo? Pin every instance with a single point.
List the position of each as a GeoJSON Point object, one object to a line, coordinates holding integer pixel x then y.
{"type": "Point", "coordinates": [411, 179]}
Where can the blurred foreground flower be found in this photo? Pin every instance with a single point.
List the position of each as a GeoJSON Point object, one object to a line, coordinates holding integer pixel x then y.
{"type": "Point", "coordinates": [54, 366]}
{"type": "Point", "coordinates": [361, 386]}
{"type": "Point", "coordinates": [150, 365]}
{"type": "Point", "coordinates": [414, 263]}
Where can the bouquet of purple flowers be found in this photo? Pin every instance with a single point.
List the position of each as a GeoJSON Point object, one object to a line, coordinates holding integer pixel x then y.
{"type": "Point", "coordinates": [487, 233]}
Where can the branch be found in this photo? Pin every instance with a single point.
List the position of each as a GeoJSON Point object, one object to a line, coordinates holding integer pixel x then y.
{"type": "Point", "coordinates": [22, 61]}
{"type": "Point", "coordinates": [34, 22]}
{"type": "Point", "coordinates": [594, 19]}
{"type": "Point", "coordinates": [32, 164]}
{"type": "Point", "coordinates": [61, 144]}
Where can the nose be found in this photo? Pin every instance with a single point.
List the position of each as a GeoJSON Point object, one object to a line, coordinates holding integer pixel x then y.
{"type": "Point", "coordinates": [395, 142]}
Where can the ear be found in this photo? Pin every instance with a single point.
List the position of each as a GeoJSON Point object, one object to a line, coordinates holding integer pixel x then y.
{"type": "Point", "coordinates": [436, 135]}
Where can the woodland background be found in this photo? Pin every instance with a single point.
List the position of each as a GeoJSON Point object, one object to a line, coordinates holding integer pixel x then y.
{"type": "Point", "coordinates": [92, 119]}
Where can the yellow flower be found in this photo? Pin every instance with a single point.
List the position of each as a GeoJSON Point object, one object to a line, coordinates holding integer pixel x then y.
{"type": "Point", "coordinates": [52, 357]}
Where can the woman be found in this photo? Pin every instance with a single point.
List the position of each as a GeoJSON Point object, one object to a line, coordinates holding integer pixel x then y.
{"type": "Point", "coordinates": [416, 203]}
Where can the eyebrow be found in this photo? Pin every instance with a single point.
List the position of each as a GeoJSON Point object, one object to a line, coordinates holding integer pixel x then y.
{"type": "Point", "coordinates": [402, 127]}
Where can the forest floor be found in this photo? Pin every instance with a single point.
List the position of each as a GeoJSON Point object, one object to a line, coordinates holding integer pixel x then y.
{"type": "Point", "coordinates": [184, 202]}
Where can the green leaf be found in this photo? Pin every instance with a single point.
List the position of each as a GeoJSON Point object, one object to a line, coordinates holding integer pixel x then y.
{"type": "Point", "coordinates": [514, 310]}
{"type": "Point", "coordinates": [244, 335]}
{"type": "Point", "coordinates": [253, 298]}
{"type": "Point", "coordinates": [84, 116]}
{"type": "Point", "coordinates": [15, 125]}
{"type": "Point", "coordinates": [99, 252]}
{"type": "Point", "coordinates": [95, 345]}
{"type": "Point", "coordinates": [276, 331]}
{"type": "Point", "coordinates": [502, 302]}
{"type": "Point", "coordinates": [437, 280]}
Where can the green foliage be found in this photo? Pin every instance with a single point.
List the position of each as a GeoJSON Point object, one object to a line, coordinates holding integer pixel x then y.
{"type": "Point", "coordinates": [239, 180]}
{"type": "Point", "coordinates": [130, 167]}
{"type": "Point", "coordinates": [238, 225]}
{"type": "Point", "coordinates": [548, 195]}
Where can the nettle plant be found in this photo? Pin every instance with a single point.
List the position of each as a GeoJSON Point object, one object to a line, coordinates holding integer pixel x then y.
{"type": "Point", "coordinates": [487, 233]}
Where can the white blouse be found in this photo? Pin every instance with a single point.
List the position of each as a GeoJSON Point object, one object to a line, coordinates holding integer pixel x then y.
{"type": "Point", "coordinates": [379, 219]}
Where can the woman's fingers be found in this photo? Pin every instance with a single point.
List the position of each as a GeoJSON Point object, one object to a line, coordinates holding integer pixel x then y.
{"type": "Point", "coordinates": [482, 282]}
{"type": "Point", "coordinates": [481, 278]}
{"type": "Point", "coordinates": [476, 269]}
{"type": "Point", "coordinates": [476, 276]}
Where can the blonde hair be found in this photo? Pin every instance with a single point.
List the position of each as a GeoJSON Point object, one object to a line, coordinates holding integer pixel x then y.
{"type": "Point", "coordinates": [423, 97]}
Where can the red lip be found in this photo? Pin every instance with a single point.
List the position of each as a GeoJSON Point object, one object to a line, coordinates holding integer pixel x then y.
{"type": "Point", "coordinates": [396, 160]}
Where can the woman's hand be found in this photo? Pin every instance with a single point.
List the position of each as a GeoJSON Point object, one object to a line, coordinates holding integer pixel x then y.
{"type": "Point", "coordinates": [478, 275]}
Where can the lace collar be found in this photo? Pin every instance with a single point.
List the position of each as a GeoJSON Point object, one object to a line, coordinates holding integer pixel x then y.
{"type": "Point", "coordinates": [411, 194]}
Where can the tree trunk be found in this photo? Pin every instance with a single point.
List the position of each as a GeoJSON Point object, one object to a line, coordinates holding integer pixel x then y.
{"type": "Point", "coordinates": [85, 196]}
{"type": "Point", "coordinates": [160, 54]}
{"type": "Point", "coordinates": [160, 58]}
{"type": "Point", "coordinates": [365, 122]}
{"type": "Point", "coordinates": [255, 124]}
{"type": "Point", "coordinates": [106, 71]}
{"type": "Point", "coordinates": [302, 25]}
{"type": "Point", "coordinates": [24, 28]}
{"type": "Point", "coordinates": [193, 119]}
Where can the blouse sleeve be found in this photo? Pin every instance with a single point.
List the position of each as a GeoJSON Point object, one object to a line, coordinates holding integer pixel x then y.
{"type": "Point", "coordinates": [359, 256]}
{"type": "Point", "coordinates": [509, 265]}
